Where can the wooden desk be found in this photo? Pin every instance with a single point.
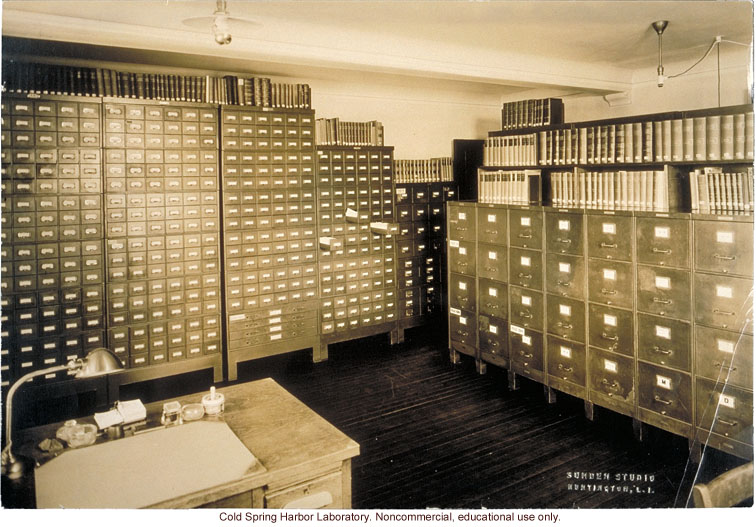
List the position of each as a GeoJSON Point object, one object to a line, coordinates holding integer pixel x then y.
{"type": "Point", "coordinates": [307, 460]}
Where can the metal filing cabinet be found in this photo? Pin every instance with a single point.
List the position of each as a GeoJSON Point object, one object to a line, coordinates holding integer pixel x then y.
{"type": "Point", "coordinates": [461, 251]}
{"type": "Point", "coordinates": [493, 278]}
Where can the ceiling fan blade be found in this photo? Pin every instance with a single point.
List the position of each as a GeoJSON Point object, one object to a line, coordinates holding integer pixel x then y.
{"type": "Point", "coordinates": [199, 22]}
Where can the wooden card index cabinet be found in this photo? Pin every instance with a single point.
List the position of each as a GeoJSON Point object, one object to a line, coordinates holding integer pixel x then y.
{"type": "Point", "coordinates": [270, 232]}
{"type": "Point", "coordinates": [52, 234]}
{"type": "Point", "coordinates": [162, 228]}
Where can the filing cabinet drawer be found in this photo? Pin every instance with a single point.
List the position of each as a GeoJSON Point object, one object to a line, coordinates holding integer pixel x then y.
{"type": "Point", "coordinates": [610, 329]}
{"type": "Point", "coordinates": [724, 410]}
{"type": "Point", "coordinates": [492, 225]}
{"type": "Point", "coordinates": [565, 317]}
{"type": "Point", "coordinates": [663, 241]}
{"type": "Point", "coordinates": [564, 233]}
{"type": "Point", "coordinates": [492, 262]}
{"type": "Point", "coordinates": [611, 377]}
{"type": "Point", "coordinates": [610, 237]}
{"type": "Point", "coordinates": [724, 247]}
{"type": "Point", "coordinates": [461, 218]}
{"type": "Point", "coordinates": [526, 352]}
{"type": "Point", "coordinates": [462, 257]}
{"type": "Point", "coordinates": [527, 307]}
{"type": "Point", "coordinates": [492, 336]}
{"type": "Point", "coordinates": [526, 228]}
{"type": "Point", "coordinates": [462, 326]}
{"type": "Point", "coordinates": [664, 391]}
{"type": "Point", "coordinates": [610, 283]}
{"type": "Point", "coordinates": [664, 292]}
{"type": "Point", "coordinates": [462, 292]}
{"type": "Point", "coordinates": [492, 298]}
{"type": "Point", "coordinates": [566, 360]}
{"type": "Point", "coordinates": [724, 302]}
{"type": "Point", "coordinates": [565, 275]}
{"type": "Point", "coordinates": [724, 355]}
{"type": "Point", "coordinates": [525, 268]}
{"type": "Point", "coordinates": [664, 341]}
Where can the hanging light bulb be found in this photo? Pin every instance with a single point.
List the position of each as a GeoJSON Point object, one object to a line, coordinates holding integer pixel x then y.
{"type": "Point", "coordinates": [221, 30]}
{"type": "Point", "coordinates": [659, 26]}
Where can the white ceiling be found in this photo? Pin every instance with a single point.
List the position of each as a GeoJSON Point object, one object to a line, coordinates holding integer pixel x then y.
{"type": "Point", "coordinates": [591, 46]}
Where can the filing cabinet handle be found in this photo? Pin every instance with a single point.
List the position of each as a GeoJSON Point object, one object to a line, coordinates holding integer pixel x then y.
{"type": "Point", "coordinates": [462, 298]}
{"type": "Point", "coordinates": [492, 306]}
{"type": "Point", "coordinates": [727, 423]}
{"type": "Point", "coordinates": [719, 365]}
{"type": "Point", "coordinates": [661, 251]}
{"type": "Point", "coordinates": [726, 313]}
{"type": "Point", "coordinates": [525, 236]}
{"type": "Point", "coordinates": [564, 284]}
{"type": "Point", "coordinates": [608, 245]}
{"type": "Point", "coordinates": [722, 257]}
{"type": "Point", "coordinates": [662, 301]}
{"type": "Point", "coordinates": [489, 231]}
{"type": "Point", "coordinates": [526, 355]}
{"type": "Point", "coordinates": [608, 291]}
{"type": "Point", "coordinates": [463, 333]}
{"type": "Point", "coordinates": [462, 264]}
{"type": "Point", "coordinates": [614, 385]}
{"type": "Point", "coordinates": [528, 276]}
{"type": "Point", "coordinates": [493, 343]}
{"type": "Point", "coordinates": [564, 368]}
{"type": "Point", "coordinates": [492, 269]}
{"type": "Point", "coordinates": [614, 338]}
{"type": "Point", "coordinates": [461, 228]}
{"type": "Point", "coordinates": [523, 314]}
{"type": "Point", "coordinates": [564, 325]}
{"type": "Point", "coordinates": [657, 349]}
{"type": "Point", "coordinates": [564, 240]}
{"type": "Point", "coordinates": [663, 401]}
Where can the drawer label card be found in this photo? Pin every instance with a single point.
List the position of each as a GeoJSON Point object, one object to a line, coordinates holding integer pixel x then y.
{"type": "Point", "coordinates": [564, 225]}
{"type": "Point", "coordinates": [455, 311]}
{"type": "Point", "coordinates": [453, 243]}
{"type": "Point", "coordinates": [525, 221]}
{"type": "Point", "coordinates": [725, 237]}
{"type": "Point", "coordinates": [462, 216]}
{"type": "Point", "coordinates": [493, 329]}
{"type": "Point", "coordinates": [463, 286]}
{"type": "Point", "coordinates": [463, 321]}
{"type": "Point", "coordinates": [517, 330]}
{"type": "Point", "coordinates": [492, 218]}
{"type": "Point", "coordinates": [609, 228]}
{"type": "Point", "coordinates": [527, 340]}
{"type": "Point", "coordinates": [492, 291]}
{"type": "Point", "coordinates": [610, 274]}
{"type": "Point", "coordinates": [662, 282]}
{"type": "Point", "coordinates": [526, 300]}
{"type": "Point", "coordinates": [610, 365]}
{"type": "Point", "coordinates": [564, 267]}
{"type": "Point", "coordinates": [725, 346]}
{"type": "Point", "coordinates": [663, 332]}
{"type": "Point", "coordinates": [661, 232]}
{"type": "Point", "coordinates": [492, 255]}
{"type": "Point", "coordinates": [276, 337]}
{"type": "Point", "coordinates": [565, 310]}
{"type": "Point", "coordinates": [664, 382]}
{"type": "Point", "coordinates": [724, 291]}
{"type": "Point", "coordinates": [525, 261]}
{"type": "Point", "coordinates": [565, 352]}
{"type": "Point", "coordinates": [610, 320]}
{"type": "Point", "coordinates": [727, 400]}
{"type": "Point", "coordinates": [462, 250]}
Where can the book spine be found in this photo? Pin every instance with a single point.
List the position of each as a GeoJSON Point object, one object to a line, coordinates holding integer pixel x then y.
{"type": "Point", "coordinates": [749, 135]}
{"type": "Point", "coordinates": [728, 137]}
{"type": "Point", "coordinates": [699, 138]}
{"type": "Point", "coordinates": [713, 138]}
{"type": "Point", "coordinates": [739, 138]}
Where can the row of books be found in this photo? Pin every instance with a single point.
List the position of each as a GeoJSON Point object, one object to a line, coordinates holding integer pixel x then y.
{"type": "Point", "coordinates": [646, 190]}
{"type": "Point", "coordinates": [533, 112]}
{"type": "Point", "coordinates": [713, 191]}
{"type": "Point", "coordinates": [334, 131]}
{"type": "Point", "coordinates": [696, 139]}
{"type": "Point", "coordinates": [510, 150]}
{"type": "Point", "coordinates": [423, 170]}
{"type": "Point", "coordinates": [507, 187]}
{"type": "Point", "coordinates": [55, 79]}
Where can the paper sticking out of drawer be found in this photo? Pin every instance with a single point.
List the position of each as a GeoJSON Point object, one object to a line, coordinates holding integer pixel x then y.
{"type": "Point", "coordinates": [352, 215]}
{"type": "Point", "coordinates": [382, 227]}
{"type": "Point", "coordinates": [329, 243]}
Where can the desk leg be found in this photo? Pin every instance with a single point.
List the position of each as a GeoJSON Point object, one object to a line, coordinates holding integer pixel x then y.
{"type": "Point", "coordinates": [346, 484]}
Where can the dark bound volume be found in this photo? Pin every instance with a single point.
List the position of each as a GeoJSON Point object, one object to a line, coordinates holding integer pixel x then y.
{"type": "Point", "coordinates": [531, 113]}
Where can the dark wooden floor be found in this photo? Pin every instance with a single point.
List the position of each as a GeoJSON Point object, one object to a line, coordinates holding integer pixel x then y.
{"type": "Point", "coordinates": [437, 435]}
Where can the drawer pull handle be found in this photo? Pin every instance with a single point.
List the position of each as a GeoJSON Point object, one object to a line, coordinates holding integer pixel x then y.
{"type": "Point", "coordinates": [492, 306]}
{"type": "Point", "coordinates": [727, 423]}
{"type": "Point", "coordinates": [462, 298]}
{"type": "Point", "coordinates": [493, 343]}
{"type": "Point", "coordinates": [662, 301]}
{"type": "Point", "coordinates": [608, 291]}
{"type": "Point", "coordinates": [312, 501]}
{"type": "Point", "coordinates": [526, 276]}
{"type": "Point", "coordinates": [722, 257]}
{"type": "Point", "coordinates": [462, 264]}
{"type": "Point", "coordinates": [726, 313]}
{"type": "Point", "coordinates": [526, 355]}
{"type": "Point", "coordinates": [719, 365]}
{"type": "Point", "coordinates": [661, 251]}
{"type": "Point", "coordinates": [608, 245]}
{"type": "Point", "coordinates": [492, 232]}
{"type": "Point", "coordinates": [525, 236]}
{"type": "Point", "coordinates": [492, 269]}
{"type": "Point", "coordinates": [564, 325]}
{"type": "Point", "coordinates": [524, 314]}
{"type": "Point", "coordinates": [564, 240]}
{"type": "Point", "coordinates": [663, 401]}
{"type": "Point", "coordinates": [463, 333]}
{"type": "Point", "coordinates": [564, 368]}
{"type": "Point", "coordinates": [613, 338]}
{"type": "Point", "coordinates": [657, 349]}
{"type": "Point", "coordinates": [614, 385]}
{"type": "Point", "coordinates": [564, 284]}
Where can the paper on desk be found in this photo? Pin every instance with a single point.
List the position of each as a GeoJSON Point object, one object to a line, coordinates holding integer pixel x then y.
{"type": "Point", "coordinates": [109, 418]}
{"type": "Point", "coordinates": [125, 412]}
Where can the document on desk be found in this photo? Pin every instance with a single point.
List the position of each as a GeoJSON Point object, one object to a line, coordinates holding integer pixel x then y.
{"type": "Point", "coordinates": [145, 469]}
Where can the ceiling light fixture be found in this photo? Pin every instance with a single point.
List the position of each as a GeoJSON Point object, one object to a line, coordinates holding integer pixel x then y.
{"type": "Point", "coordinates": [221, 30]}
{"type": "Point", "coordinates": [659, 26]}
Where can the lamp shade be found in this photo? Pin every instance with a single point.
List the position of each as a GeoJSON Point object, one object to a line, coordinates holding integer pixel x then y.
{"type": "Point", "coordinates": [99, 361]}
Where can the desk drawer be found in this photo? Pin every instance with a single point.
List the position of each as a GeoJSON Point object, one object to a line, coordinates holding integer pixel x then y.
{"type": "Point", "coordinates": [664, 292]}
{"type": "Point", "coordinates": [610, 283]}
{"type": "Point", "coordinates": [724, 302]}
{"type": "Point", "coordinates": [664, 391]}
{"type": "Point", "coordinates": [462, 257]}
{"type": "Point", "coordinates": [565, 275]}
{"type": "Point", "coordinates": [492, 336]}
{"type": "Point", "coordinates": [610, 237]}
{"type": "Point", "coordinates": [492, 262]}
{"type": "Point", "coordinates": [321, 493]}
{"type": "Point", "coordinates": [611, 375]}
{"type": "Point", "coordinates": [527, 307]}
{"type": "Point", "coordinates": [564, 233]}
{"type": "Point", "coordinates": [725, 410]}
{"type": "Point", "coordinates": [724, 355]}
{"type": "Point", "coordinates": [526, 229]}
{"type": "Point", "coordinates": [663, 241]}
{"type": "Point", "coordinates": [610, 329]}
{"type": "Point", "coordinates": [566, 360]}
{"type": "Point", "coordinates": [724, 247]}
{"type": "Point", "coordinates": [565, 317]}
{"type": "Point", "coordinates": [492, 225]}
{"type": "Point", "coordinates": [492, 298]}
{"type": "Point", "coordinates": [526, 268]}
{"type": "Point", "coordinates": [462, 292]}
{"type": "Point", "coordinates": [461, 218]}
{"type": "Point", "coordinates": [664, 341]}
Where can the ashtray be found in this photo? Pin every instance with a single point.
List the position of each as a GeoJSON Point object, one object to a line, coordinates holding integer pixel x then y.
{"type": "Point", "coordinates": [192, 412]}
{"type": "Point", "coordinates": [76, 435]}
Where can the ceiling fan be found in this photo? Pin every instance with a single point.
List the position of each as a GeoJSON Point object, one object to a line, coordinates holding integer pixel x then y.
{"type": "Point", "coordinates": [221, 23]}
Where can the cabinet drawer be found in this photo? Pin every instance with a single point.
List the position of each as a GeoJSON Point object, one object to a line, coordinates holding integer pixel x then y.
{"type": "Point", "coordinates": [462, 292]}
{"type": "Point", "coordinates": [664, 391]}
{"type": "Point", "coordinates": [492, 225]}
{"type": "Point", "coordinates": [492, 262]}
{"type": "Point", "coordinates": [462, 326]}
{"type": "Point", "coordinates": [462, 257]}
{"type": "Point", "coordinates": [526, 229]}
{"type": "Point", "coordinates": [724, 355]}
{"type": "Point", "coordinates": [724, 302]}
{"type": "Point", "coordinates": [526, 352]}
{"type": "Point", "coordinates": [321, 493]}
{"type": "Point", "coordinates": [492, 298]}
{"type": "Point", "coordinates": [461, 219]}
{"type": "Point", "coordinates": [725, 410]}
{"type": "Point", "coordinates": [610, 283]}
{"type": "Point", "coordinates": [724, 247]}
{"type": "Point", "coordinates": [492, 336]}
{"type": "Point", "coordinates": [610, 237]}
{"type": "Point", "coordinates": [566, 360]}
{"type": "Point", "coordinates": [527, 307]}
{"type": "Point", "coordinates": [664, 341]}
{"type": "Point", "coordinates": [565, 317]}
{"type": "Point", "coordinates": [525, 268]}
{"type": "Point", "coordinates": [664, 292]}
{"type": "Point", "coordinates": [663, 241]}
{"type": "Point", "coordinates": [564, 233]}
{"type": "Point", "coordinates": [610, 329]}
{"type": "Point", "coordinates": [565, 275]}
{"type": "Point", "coordinates": [611, 375]}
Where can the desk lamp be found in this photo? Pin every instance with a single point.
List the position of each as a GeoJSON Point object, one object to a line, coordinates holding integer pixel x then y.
{"type": "Point", "coordinates": [99, 361]}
